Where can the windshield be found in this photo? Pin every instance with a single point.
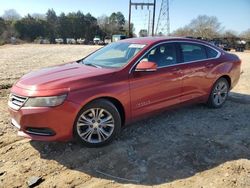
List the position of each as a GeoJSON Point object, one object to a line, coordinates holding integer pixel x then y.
{"type": "Point", "coordinates": [114, 55]}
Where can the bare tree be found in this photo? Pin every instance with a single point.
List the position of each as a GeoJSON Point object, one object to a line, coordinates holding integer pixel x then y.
{"type": "Point", "coordinates": [246, 34]}
{"type": "Point", "coordinates": [11, 15]}
{"type": "Point", "coordinates": [113, 24]}
{"type": "Point", "coordinates": [183, 32]}
{"type": "Point", "coordinates": [132, 29]}
{"type": "Point", "coordinates": [230, 34]}
{"type": "Point", "coordinates": [103, 22]}
{"type": "Point", "coordinates": [203, 26]}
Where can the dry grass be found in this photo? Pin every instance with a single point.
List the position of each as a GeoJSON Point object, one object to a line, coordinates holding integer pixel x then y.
{"type": "Point", "coordinates": [17, 60]}
{"type": "Point", "coordinates": [188, 147]}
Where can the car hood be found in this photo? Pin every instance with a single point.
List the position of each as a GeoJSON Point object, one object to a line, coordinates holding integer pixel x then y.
{"type": "Point", "coordinates": [62, 76]}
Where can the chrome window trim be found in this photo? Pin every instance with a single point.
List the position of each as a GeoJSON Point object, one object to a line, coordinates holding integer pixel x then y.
{"type": "Point", "coordinates": [187, 62]}
{"type": "Point", "coordinates": [148, 70]}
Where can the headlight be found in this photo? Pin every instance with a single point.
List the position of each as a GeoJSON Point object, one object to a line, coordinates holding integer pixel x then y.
{"type": "Point", "coordinates": [45, 101]}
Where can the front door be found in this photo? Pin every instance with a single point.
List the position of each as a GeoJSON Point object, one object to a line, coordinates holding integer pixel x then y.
{"type": "Point", "coordinates": [150, 91]}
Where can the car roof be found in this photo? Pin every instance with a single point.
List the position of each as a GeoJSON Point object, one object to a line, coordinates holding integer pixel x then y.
{"type": "Point", "coordinates": [153, 40]}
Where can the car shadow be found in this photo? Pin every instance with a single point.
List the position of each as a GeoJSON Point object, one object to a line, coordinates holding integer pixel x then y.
{"type": "Point", "coordinates": [172, 145]}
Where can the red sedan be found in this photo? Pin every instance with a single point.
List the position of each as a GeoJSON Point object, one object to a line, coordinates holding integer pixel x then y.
{"type": "Point", "coordinates": [91, 99]}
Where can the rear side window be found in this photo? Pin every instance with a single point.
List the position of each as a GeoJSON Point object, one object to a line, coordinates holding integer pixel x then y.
{"type": "Point", "coordinates": [192, 52]}
{"type": "Point", "coordinates": [211, 53]}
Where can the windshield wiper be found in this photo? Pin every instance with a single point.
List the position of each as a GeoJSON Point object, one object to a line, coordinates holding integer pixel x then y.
{"type": "Point", "coordinates": [92, 64]}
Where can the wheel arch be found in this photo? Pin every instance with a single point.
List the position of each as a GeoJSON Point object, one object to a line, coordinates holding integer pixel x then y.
{"type": "Point", "coordinates": [227, 78]}
{"type": "Point", "coordinates": [210, 101]}
{"type": "Point", "coordinates": [115, 102]}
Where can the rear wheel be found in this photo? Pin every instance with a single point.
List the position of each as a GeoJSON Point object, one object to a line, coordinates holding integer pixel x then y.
{"type": "Point", "coordinates": [97, 123]}
{"type": "Point", "coordinates": [219, 93]}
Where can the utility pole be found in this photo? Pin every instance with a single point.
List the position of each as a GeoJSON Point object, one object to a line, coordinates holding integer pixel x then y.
{"type": "Point", "coordinates": [153, 24]}
{"type": "Point", "coordinates": [163, 24]}
{"type": "Point", "coordinates": [131, 4]}
{"type": "Point", "coordinates": [129, 20]}
{"type": "Point", "coordinates": [149, 14]}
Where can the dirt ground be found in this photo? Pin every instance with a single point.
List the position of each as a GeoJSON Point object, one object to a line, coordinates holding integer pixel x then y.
{"type": "Point", "coordinates": [193, 146]}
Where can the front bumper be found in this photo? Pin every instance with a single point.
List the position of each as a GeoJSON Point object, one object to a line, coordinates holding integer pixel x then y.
{"type": "Point", "coordinates": [45, 123]}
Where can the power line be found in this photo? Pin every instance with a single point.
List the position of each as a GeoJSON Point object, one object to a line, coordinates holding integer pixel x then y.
{"type": "Point", "coordinates": [141, 5]}
{"type": "Point", "coordinates": [163, 24]}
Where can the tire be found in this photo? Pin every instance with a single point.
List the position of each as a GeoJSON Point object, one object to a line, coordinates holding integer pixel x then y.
{"type": "Point", "coordinates": [218, 94]}
{"type": "Point", "coordinates": [97, 124]}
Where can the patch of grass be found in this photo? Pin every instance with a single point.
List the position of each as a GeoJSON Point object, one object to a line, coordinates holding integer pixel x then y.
{"type": "Point", "coordinates": [5, 86]}
{"type": "Point", "coordinates": [4, 93]}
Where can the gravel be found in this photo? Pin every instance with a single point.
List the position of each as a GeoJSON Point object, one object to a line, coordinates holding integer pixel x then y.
{"type": "Point", "coordinates": [192, 146]}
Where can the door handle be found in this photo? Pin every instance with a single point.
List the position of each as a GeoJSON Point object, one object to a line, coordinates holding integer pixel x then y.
{"type": "Point", "coordinates": [176, 70]}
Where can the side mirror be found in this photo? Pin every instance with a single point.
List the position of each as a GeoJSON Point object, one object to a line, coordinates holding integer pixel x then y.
{"type": "Point", "coordinates": [146, 66]}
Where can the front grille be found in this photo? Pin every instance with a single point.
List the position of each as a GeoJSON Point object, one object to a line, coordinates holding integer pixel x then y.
{"type": "Point", "coordinates": [16, 101]}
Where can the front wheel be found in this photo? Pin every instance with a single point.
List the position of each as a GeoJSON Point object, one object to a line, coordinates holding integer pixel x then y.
{"type": "Point", "coordinates": [219, 93]}
{"type": "Point", "coordinates": [97, 123]}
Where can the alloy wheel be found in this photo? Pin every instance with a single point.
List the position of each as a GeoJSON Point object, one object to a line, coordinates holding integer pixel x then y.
{"type": "Point", "coordinates": [220, 92]}
{"type": "Point", "coordinates": [95, 125]}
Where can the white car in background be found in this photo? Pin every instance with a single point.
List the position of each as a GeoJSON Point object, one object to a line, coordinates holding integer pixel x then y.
{"type": "Point", "coordinates": [96, 40]}
{"type": "Point", "coordinates": [70, 41]}
{"type": "Point", "coordinates": [59, 41]}
{"type": "Point", "coordinates": [80, 41]}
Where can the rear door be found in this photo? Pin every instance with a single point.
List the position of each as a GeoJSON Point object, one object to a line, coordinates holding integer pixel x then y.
{"type": "Point", "coordinates": [197, 62]}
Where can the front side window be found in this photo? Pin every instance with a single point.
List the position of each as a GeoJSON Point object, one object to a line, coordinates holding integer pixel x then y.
{"type": "Point", "coordinates": [163, 55]}
{"type": "Point", "coordinates": [114, 55]}
{"type": "Point", "coordinates": [192, 52]}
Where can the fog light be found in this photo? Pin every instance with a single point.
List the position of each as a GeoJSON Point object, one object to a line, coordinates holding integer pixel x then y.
{"type": "Point", "coordinates": [40, 131]}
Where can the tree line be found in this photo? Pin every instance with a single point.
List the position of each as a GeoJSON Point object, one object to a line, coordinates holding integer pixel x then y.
{"type": "Point", "coordinates": [78, 25]}
{"type": "Point", "coordinates": [72, 25]}
{"type": "Point", "coordinates": [208, 27]}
